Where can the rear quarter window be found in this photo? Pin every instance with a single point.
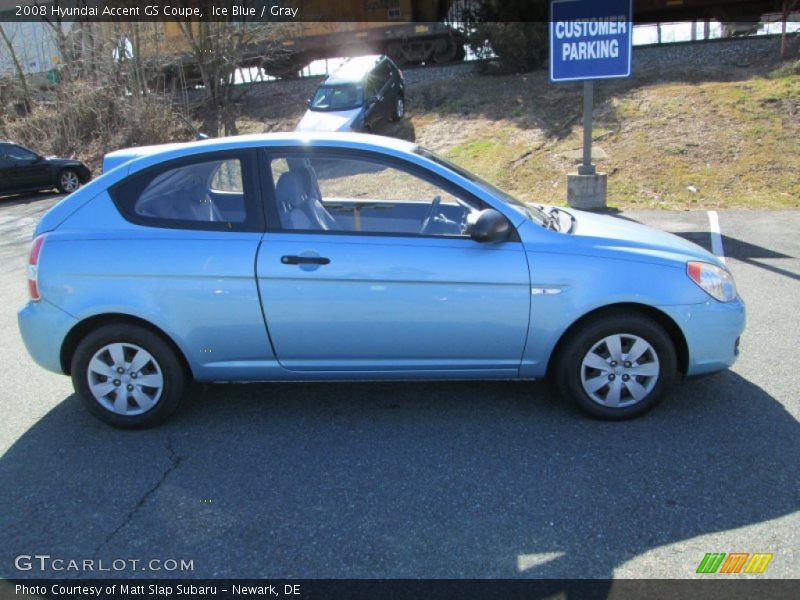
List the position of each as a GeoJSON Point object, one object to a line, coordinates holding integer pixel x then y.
{"type": "Point", "coordinates": [209, 192]}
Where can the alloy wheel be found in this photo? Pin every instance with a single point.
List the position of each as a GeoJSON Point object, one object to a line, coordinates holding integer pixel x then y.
{"type": "Point", "coordinates": [69, 181]}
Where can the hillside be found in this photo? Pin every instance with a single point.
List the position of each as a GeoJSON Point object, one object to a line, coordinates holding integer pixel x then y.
{"type": "Point", "coordinates": [668, 138]}
{"type": "Point", "coordinates": [700, 125]}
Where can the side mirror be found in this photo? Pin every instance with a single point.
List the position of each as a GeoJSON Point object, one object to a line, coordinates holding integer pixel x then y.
{"type": "Point", "coordinates": [372, 101]}
{"type": "Point", "coordinates": [489, 226]}
{"type": "Point", "coordinates": [308, 102]}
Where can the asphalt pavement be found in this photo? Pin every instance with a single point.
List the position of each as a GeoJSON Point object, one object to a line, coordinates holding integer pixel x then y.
{"type": "Point", "coordinates": [419, 480]}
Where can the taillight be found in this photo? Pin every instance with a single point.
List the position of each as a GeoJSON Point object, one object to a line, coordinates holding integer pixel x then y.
{"type": "Point", "coordinates": [33, 268]}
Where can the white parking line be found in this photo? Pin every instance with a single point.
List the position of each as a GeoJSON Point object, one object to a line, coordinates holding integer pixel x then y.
{"type": "Point", "coordinates": [716, 237]}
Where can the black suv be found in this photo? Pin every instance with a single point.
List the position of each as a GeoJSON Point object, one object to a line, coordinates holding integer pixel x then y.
{"type": "Point", "coordinates": [362, 93]}
{"type": "Point", "coordinates": [22, 170]}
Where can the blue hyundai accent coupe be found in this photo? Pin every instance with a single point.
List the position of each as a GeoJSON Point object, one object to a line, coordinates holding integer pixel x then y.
{"type": "Point", "coordinates": [286, 257]}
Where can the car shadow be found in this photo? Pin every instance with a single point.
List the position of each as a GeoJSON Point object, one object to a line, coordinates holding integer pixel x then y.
{"type": "Point", "coordinates": [742, 251]}
{"type": "Point", "coordinates": [27, 198]}
{"type": "Point", "coordinates": [746, 252]}
{"type": "Point", "coordinates": [481, 479]}
{"type": "Point", "coordinates": [402, 129]}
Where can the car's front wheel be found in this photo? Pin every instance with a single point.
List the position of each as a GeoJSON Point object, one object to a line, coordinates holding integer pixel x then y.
{"type": "Point", "coordinates": [68, 181]}
{"type": "Point", "coordinates": [617, 366]}
{"type": "Point", "coordinates": [128, 376]}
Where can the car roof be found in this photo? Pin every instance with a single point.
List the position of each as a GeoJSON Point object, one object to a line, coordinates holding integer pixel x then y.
{"type": "Point", "coordinates": [299, 139]}
{"type": "Point", "coordinates": [355, 69]}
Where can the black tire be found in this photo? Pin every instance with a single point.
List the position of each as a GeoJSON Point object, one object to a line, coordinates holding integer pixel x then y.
{"type": "Point", "coordinates": [569, 365]}
{"type": "Point", "coordinates": [171, 369]}
{"type": "Point", "coordinates": [65, 179]}
{"type": "Point", "coordinates": [399, 108]}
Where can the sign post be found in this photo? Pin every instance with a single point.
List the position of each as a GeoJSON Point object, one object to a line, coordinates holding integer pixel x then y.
{"type": "Point", "coordinates": [589, 39]}
{"type": "Point", "coordinates": [587, 168]}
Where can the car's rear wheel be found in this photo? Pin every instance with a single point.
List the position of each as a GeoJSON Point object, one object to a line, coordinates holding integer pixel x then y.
{"type": "Point", "coordinates": [399, 109]}
{"type": "Point", "coordinates": [128, 376]}
{"type": "Point", "coordinates": [616, 366]}
{"type": "Point", "coordinates": [68, 181]}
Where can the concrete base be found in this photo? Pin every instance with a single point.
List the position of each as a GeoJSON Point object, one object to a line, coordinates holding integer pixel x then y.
{"type": "Point", "coordinates": [587, 191]}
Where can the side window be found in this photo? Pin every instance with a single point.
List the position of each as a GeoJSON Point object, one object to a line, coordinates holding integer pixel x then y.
{"type": "Point", "coordinates": [362, 195]}
{"type": "Point", "coordinates": [17, 153]}
{"type": "Point", "coordinates": [380, 76]}
{"type": "Point", "coordinates": [208, 194]}
{"type": "Point", "coordinates": [373, 87]}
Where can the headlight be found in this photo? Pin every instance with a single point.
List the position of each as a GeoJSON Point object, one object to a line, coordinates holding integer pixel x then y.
{"type": "Point", "coordinates": [716, 281]}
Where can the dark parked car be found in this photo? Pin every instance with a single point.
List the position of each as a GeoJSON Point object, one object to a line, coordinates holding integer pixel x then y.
{"type": "Point", "coordinates": [362, 93]}
{"type": "Point", "coordinates": [23, 170]}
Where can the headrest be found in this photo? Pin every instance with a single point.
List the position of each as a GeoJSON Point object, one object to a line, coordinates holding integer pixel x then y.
{"type": "Point", "coordinates": [307, 180]}
{"type": "Point", "coordinates": [289, 191]}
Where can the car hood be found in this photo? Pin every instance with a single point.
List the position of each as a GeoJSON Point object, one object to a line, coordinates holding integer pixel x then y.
{"type": "Point", "coordinates": [57, 161]}
{"type": "Point", "coordinates": [617, 234]}
{"type": "Point", "coordinates": [315, 120]}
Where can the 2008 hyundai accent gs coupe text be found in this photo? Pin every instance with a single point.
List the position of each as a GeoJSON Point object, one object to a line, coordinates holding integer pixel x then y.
{"type": "Point", "coordinates": [356, 257]}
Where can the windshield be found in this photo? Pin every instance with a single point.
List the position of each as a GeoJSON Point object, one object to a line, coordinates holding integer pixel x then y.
{"type": "Point", "coordinates": [531, 212]}
{"type": "Point", "coordinates": [337, 97]}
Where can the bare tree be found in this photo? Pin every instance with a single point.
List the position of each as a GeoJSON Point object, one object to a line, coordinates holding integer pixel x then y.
{"type": "Point", "coordinates": [23, 81]}
{"type": "Point", "coordinates": [218, 51]}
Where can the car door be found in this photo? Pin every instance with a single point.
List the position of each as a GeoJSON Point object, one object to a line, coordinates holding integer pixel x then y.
{"type": "Point", "coordinates": [394, 86]}
{"type": "Point", "coordinates": [385, 92]}
{"type": "Point", "coordinates": [372, 106]}
{"type": "Point", "coordinates": [350, 284]}
{"type": "Point", "coordinates": [29, 170]}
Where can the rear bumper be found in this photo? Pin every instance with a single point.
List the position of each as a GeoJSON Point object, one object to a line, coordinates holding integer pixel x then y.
{"type": "Point", "coordinates": [712, 331]}
{"type": "Point", "coordinates": [43, 327]}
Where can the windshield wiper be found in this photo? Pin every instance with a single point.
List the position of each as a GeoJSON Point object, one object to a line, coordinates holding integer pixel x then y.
{"type": "Point", "coordinates": [550, 219]}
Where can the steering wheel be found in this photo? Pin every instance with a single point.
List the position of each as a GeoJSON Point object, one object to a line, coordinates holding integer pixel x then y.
{"type": "Point", "coordinates": [426, 222]}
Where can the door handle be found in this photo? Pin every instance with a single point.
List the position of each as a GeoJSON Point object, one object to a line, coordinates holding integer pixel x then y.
{"type": "Point", "coordinates": [305, 260]}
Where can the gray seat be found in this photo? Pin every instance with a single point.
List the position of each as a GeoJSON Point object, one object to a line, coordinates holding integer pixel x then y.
{"type": "Point", "coordinates": [299, 205]}
{"type": "Point", "coordinates": [319, 213]}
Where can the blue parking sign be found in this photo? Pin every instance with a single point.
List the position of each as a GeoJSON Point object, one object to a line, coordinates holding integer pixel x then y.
{"type": "Point", "coordinates": [590, 39]}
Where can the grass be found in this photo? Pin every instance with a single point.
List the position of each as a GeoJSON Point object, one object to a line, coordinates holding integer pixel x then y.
{"type": "Point", "coordinates": [730, 144]}
{"type": "Point", "coordinates": [721, 137]}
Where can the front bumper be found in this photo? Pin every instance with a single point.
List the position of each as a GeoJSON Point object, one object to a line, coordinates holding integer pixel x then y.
{"type": "Point", "coordinates": [712, 331]}
{"type": "Point", "coordinates": [43, 327]}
